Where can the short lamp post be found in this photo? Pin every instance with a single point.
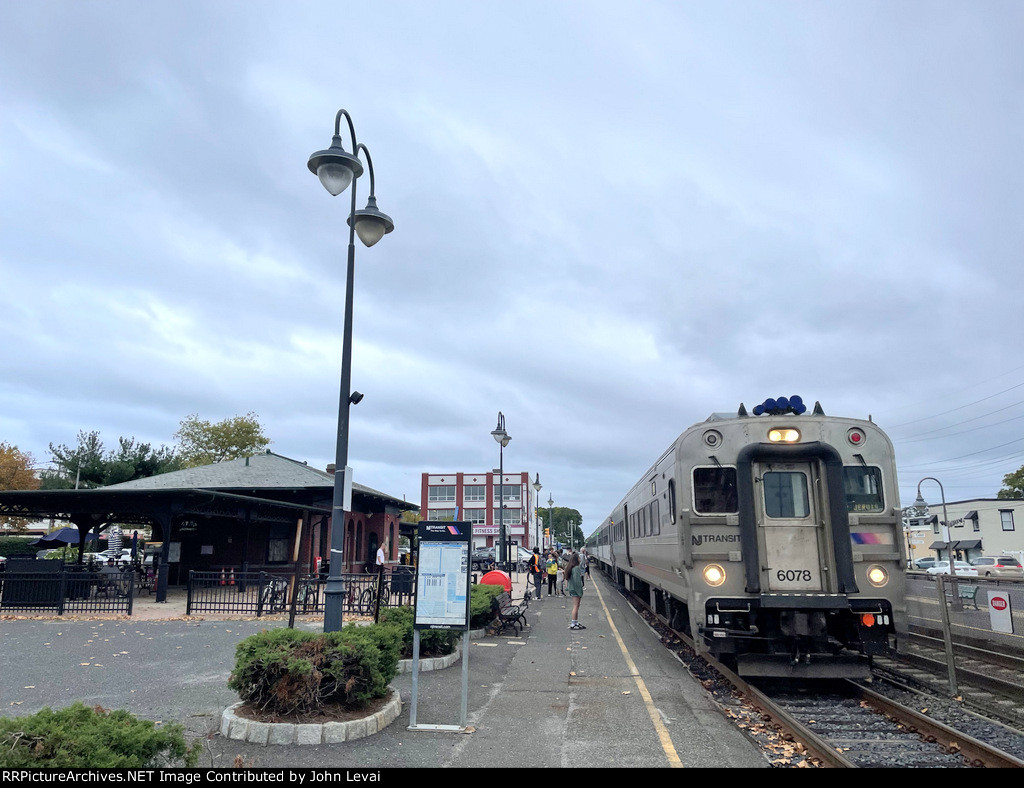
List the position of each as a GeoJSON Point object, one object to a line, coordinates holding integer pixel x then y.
{"type": "Point", "coordinates": [947, 635]}
{"type": "Point", "coordinates": [551, 522]}
{"type": "Point", "coordinates": [337, 168]}
{"type": "Point", "coordinates": [921, 505]}
{"type": "Point", "coordinates": [502, 437]}
{"type": "Point", "coordinates": [536, 520]}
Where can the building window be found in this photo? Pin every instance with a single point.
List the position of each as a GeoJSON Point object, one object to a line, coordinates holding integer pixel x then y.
{"type": "Point", "coordinates": [512, 517]}
{"type": "Point", "coordinates": [1006, 518]}
{"type": "Point", "coordinates": [512, 492]}
{"type": "Point", "coordinates": [277, 544]}
{"type": "Point", "coordinates": [474, 492]}
{"type": "Point", "coordinates": [441, 514]}
{"type": "Point", "coordinates": [475, 516]}
{"type": "Point", "coordinates": [441, 493]}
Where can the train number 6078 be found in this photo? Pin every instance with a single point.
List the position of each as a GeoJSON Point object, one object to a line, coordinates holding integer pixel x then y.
{"type": "Point", "coordinates": [792, 575]}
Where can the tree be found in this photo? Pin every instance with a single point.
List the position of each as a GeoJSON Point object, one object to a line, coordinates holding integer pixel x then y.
{"type": "Point", "coordinates": [89, 465]}
{"type": "Point", "coordinates": [1013, 485]}
{"type": "Point", "coordinates": [566, 525]}
{"type": "Point", "coordinates": [202, 443]}
{"type": "Point", "coordinates": [16, 474]}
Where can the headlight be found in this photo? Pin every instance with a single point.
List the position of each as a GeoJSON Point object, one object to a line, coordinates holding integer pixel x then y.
{"type": "Point", "coordinates": [877, 576]}
{"type": "Point", "coordinates": [714, 575]}
{"type": "Point", "coordinates": [784, 435]}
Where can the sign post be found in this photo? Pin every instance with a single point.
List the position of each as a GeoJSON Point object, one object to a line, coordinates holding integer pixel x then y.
{"type": "Point", "coordinates": [442, 600]}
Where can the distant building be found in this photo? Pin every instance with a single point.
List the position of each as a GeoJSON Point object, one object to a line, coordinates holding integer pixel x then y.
{"type": "Point", "coordinates": [981, 526]}
{"type": "Point", "coordinates": [475, 498]}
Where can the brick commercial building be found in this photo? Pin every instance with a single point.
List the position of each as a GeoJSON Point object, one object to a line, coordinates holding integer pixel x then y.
{"type": "Point", "coordinates": [474, 498]}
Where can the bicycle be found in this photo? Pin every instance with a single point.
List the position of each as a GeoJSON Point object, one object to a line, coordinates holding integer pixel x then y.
{"type": "Point", "coordinates": [368, 598]}
{"type": "Point", "coordinates": [309, 595]}
{"type": "Point", "coordinates": [274, 597]}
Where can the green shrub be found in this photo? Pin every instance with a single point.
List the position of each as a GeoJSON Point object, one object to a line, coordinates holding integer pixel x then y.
{"type": "Point", "coordinates": [483, 604]}
{"type": "Point", "coordinates": [433, 642]}
{"type": "Point", "coordinates": [82, 738]}
{"type": "Point", "coordinates": [17, 546]}
{"type": "Point", "coordinates": [287, 672]}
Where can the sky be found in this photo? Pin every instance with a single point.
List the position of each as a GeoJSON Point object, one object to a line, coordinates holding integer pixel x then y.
{"type": "Point", "coordinates": [611, 220]}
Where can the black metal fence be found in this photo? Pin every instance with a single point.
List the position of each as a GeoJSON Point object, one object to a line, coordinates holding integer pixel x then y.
{"type": "Point", "coordinates": [263, 593]}
{"type": "Point", "coordinates": [55, 587]}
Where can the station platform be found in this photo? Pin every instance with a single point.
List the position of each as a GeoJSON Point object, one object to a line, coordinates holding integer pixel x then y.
{"type": "Point", "coordinates": [608, 696]}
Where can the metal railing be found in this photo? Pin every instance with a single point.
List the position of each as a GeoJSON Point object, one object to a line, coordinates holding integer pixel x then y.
{"type": "Point", "coordinates": [67, 589]}
{"type": "Point", "coordinates": [263, 593]}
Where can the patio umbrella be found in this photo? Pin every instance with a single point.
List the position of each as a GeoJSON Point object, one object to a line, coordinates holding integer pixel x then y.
{"type": "Point", "coordinates": [60, 538]}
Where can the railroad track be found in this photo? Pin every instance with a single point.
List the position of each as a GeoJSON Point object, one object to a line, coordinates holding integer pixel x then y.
{"type": "Point", "coordinates": [850, 725]}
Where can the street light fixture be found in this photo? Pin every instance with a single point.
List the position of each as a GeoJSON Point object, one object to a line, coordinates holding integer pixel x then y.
{"type": "Point", "coordinates": [337, 168]}
{"type": "Point", "coordinates": [920, 504]}
{"type": "Point", "coordinates": [502, 437]}
{"type": "Point", "coordinates": [536, 520]}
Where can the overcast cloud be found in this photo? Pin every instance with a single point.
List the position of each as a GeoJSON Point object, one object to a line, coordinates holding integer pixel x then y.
{"type": "Point", "coordinates": [611, 220]}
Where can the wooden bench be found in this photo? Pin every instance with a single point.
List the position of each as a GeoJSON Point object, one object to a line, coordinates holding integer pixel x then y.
{"type": "Point", "coordinates": [509, 614]}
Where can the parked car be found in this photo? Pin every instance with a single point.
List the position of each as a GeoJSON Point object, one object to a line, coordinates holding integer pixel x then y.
{"type": "Point", "coordinates": [925, 563]}
{"type": "Point", "coordinates": [122, 556]}
{"type": "Point", "coordinates": [482, 558]}
{"type": "Point", "coordinates": [998, 566]}
{"type": "Point", "coordinates": [963, 569]}
{"type": "Point", "coordinates": [3, 562]}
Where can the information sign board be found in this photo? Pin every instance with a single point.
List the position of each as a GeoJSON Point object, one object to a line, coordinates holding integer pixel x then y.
{"type": "Point", "coordinates": [443, 575]}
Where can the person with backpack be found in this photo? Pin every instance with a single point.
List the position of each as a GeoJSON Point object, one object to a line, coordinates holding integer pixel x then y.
{"type": "Point", "coordinates": [552, 570]}
{"type": "Point", "coordinates": [536, 571]}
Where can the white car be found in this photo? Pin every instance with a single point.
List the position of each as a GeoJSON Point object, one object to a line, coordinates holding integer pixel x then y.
{"type": "Point", "coordinates": [963, 569]}
{"type": "Point", "coordinates": [123, 559]}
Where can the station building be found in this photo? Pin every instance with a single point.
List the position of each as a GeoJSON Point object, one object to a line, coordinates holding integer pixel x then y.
{"type": "Point", "coordinates": [979, 526]}
{"type": "Point", "coordinates": [476, 498]}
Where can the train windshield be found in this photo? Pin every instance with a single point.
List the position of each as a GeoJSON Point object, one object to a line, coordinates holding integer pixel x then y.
{"type": "Point", "coordinates": [785, 494]}
{"type": "Point", "coordinates": [863, 489]}
{"type": "Point", "coordinates": [714, 491]}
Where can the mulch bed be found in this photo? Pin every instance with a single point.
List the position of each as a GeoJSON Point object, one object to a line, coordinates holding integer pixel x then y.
{"type": "Point", "coordinates": [330, 713]}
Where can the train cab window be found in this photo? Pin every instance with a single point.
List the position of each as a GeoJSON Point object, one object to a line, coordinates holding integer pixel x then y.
{"type": "Point", "coordinates": [672, 500]}
{"type": "Point", "coordinates": [785, 494]}
{"type": "Point", "coordinates": [714, 491]}
{"type": "Point", "coordinates": [862, 488]}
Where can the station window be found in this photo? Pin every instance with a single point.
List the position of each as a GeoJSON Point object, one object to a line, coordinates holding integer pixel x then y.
{"type": "Point", "coordinates": [277, 544]}
{"type": "Point", "coordinates": [862, 488]}
{"type": "Point", "coordinates": [785, 494]}
{"type": "Point", "coordinates": [714, 491]}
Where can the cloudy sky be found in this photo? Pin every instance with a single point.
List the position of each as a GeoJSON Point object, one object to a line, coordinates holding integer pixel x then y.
{"type": "Point", "coordinates": [611, 221]}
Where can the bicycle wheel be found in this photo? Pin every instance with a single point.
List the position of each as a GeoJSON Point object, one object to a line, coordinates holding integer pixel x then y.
{"type": "Point", "coordinates": [385, 597]}
{"type": "Point", "coordinates": [366, 602]}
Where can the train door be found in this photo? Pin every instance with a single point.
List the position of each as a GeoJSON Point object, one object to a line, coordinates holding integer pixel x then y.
{"type": "Point", "coordinates": [789, 525]}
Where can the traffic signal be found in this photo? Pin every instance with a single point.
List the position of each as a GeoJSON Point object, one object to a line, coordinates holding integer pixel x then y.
{"type": "Point", "coordinates": [547, 532]}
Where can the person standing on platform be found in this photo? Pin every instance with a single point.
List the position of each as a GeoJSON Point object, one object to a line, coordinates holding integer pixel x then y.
{"type": "Point", "coordinates": [552, 570]}
{"type": "Point", "coordinates": [536, 571]}
{"type": "Point", "coordinates": [585, 563]}
{"type": "Point", "coordinates": [574, 582]}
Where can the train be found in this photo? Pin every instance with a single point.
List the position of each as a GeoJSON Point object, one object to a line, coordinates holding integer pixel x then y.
{"type": "Point", "coordinates": [773, 539]}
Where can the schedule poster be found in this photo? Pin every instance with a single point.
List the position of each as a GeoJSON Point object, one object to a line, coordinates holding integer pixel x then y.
{"type": "Point", "coordinates": [442, 575]}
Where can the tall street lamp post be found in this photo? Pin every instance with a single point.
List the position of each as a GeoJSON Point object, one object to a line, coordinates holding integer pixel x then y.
{"type": "Point", "coordinates": [502, 437]}
{"type": "Point", "coordinates": [536, 520]}
{"type": "Point", "coordinates": [336, 169]}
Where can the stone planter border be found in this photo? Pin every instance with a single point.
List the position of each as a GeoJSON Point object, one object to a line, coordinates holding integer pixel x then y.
{"type": "Point", "coordinates": [241, 729]}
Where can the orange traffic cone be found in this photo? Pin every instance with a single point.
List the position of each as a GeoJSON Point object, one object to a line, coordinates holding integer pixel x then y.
{"type": "Point", "coordinates": [222, 577]}
{"type": "Point", "coordinates": [231, 579]}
